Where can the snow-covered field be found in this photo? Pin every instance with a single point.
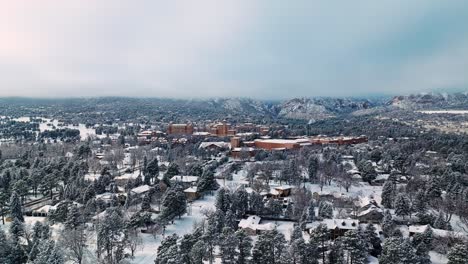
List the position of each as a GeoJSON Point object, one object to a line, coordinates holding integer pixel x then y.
{"type": "Point", "coordinates": [453, 112]}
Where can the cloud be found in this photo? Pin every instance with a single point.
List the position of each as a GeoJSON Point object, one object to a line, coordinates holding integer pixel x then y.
{"type": "Point", "coordinates": [263, 49]}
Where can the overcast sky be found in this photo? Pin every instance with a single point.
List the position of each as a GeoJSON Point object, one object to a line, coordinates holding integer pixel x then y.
{"type": "Point", "coordinates": [267, 49]}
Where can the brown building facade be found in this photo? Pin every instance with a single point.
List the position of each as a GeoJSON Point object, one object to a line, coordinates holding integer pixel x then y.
{"type": "Point", "coordinates": [180, 129]}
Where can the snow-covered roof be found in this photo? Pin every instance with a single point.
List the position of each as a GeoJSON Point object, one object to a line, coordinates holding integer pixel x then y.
{"type": "Point", "coordinates": [141, 189]}
{"type": "Point", "coordinates": [105, 196]}
{"type": "Point", "coordinates": [219, 144]}
{"type": "Point", "coordinates": [45, 209]}
{"type": "Point", "coordinates": [185, 178]}
{"type": "Point", "coordinates": [346, 224]}
{"type": "Point", "coordinates": [251, 222]}
{"type": "Point", "coordinates": [201, 133]}
{"type": "Point", "coordinates": [369, 210]}
{"type": "Point", "coordinates": [243, 149]}
{"type": "Point", "coordinates": [381, 177]}
{"type": "Point", "coordinates": [191, 190]}
{"type": "Point", "coordinates": [418, 228]}
{"type": "Point", "coordinates": [283, 187]}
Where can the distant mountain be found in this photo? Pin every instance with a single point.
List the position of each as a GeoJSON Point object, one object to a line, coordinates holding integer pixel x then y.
{"type": "Point", "coordinates": [431, 101]}
{"type": "Point", "coordinates": [321, 108]}
{"type": "Point", "coordinates": [107, 108]}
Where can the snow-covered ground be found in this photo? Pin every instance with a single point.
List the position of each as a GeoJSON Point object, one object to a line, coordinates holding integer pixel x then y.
{"type": "Point", "coordinates": [180, 227]}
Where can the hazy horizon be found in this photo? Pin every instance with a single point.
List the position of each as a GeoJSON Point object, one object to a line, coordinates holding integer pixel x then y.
{"type": "Point", "coordinates": [269, 50]}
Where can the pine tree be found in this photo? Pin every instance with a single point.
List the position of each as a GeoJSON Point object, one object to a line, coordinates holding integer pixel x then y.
{"type": "Point", "coordinates": [56, 256]}
{"type": "Point", "coordinates": [198, 252]}
{"type": "Point", "coordinates": [298, 251]}
{"type": "Point", "coordinates": [174, 204]}
{"type": "Point", "coordinates": [325, 210]}
{"type": "Point", "coordinates": [397, 250]}
{"type": "Point", "coordinates": [256, 203]}
{"type": "Point", "coordinates": [5, 248]}
{"type": "Point", "coordinates": [264, 249]}
{"type": "Point", "coordinates": [74, 218]}
{"type": "Point", "coordinates": [336, 254]}
{"type": "Point", "coordinates": [420, 202]}
{"type": "Point", "coordinates": [144, 169]}
{"type": "Point", "coordinates": [422, 254]}
{"type": "Point", "coordinates": [167, 247]}
{"type": "Point", "coordinates": [223, 200]}
{"type": "Point", "coordinates": [16, 229]}
{"type": "Point", "coordinates": [434, 189]}
{"type": "Point", "coordinates": [207, 182]}
{"type": "Point", "coordinates": [368, 172]}
{"type": "Point", "coordinates": [229, 254]}
{"type": "Point", "coordinates": [172, 170]}
{"type": "Point", "coordinates": [15, 207]}
{"type": "Point", "coordinates": [146, 202]}
{"type": "Point", "coordinates": [388, 193]}
{"type": "Point", "coordinates": [458, 254]}
{"type": "Point", "coordinates": [240, 202]}
{"type": "Point", "coordinates": [17, 253]}
{"type": "Point", "coordinates": [355, 247]}
{"type": "Point", "coordinates": [230, 220]}
{"type": "Point", "coordinates": [321, 235]}
{"type": "Point", "coordinates": [387, 224]}
{"type": "Point", "coordinates": [296, 234]}
{"type": "Point", "coordinates": [402, 206]}
{"type": "Point", "coordinates": [311, 212]}
{"type": "Point", "coordinates": [440, 222]}
{"type": "Point", "coordinates": [45, 251]}
{"type": "Point", "coordinates": [153, 169]}
{"type": "Point", "coordinates": [373, 241]}
{"type": "Point", "coordinates": [244, 245]}
{"type": "Point", "coordinates": [312, 169]}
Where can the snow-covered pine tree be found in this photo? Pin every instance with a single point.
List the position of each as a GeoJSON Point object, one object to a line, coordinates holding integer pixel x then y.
{"type": "Point", "coordinates": [402, 206]}
{"type": "Point", "coordinates": [355, 247]}
{"type": "Point", "coordinates": [311, 212]}
{"type": "Point", "coordinates": [166, 249]}
{"type": "Point", "coordinates": [230, 220]}
{"type": "Point", "coordinates": [388, 225]}
{"type": "Point", "coordinates": [240, 202]}
{"type": "Point", "coordinates": [198, 252]}
{"type": "Point", "coordinates": [16, 229]}
{"type": "Point", "coordinates": [336, 254]}
{"type": "Point", "coordinates": [263, 251]}
{"type": "Point", "coordinates": [227, 246]}
{"type": "Point", "coordinates": [153, 170]}
{"type": "Point", "coordinates": [301, 252]}
{"type": "Point", "coordinates": [16, 211]}
{"type": "Point", "coordinates": [397, 250]}
{"type": "Point", "coordinates": [5, 248]}
{"type": "Point", "coordinates": [321, 235]}
{"type": "Point", "coordinates": [374, 246]}
{"type": "Point", "coordinates": [312, 168]}
{"type": "Point", "coordinates": [388, 193]}
{"type": "Point", "coordinates": [422, 254]}
{"type": "Point", "coordinates": [244, 245]}
{"type": "Point", "coordinates": [420, 202]}
{"type": "Point", "coordinates": [458, 254]}
{"type": "Point", "coordinates": [17, 253]}
{"type": "Point", "coordinates": [74, 218]}
{"type": "Point", "coordinates": [325, 210]}
{"type": "Point", "coordinates": [207, 182]}
{"type": "Point", "coordinates": [146, 202]}
{"type": "Point", "coordinates": [296, 234]}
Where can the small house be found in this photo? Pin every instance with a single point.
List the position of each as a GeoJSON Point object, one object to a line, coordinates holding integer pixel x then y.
{"type": "Point", "coordinates": [192, 193]}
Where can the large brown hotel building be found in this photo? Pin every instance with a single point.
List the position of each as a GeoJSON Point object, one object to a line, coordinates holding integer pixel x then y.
{"type": "Point", "coordinates": [180, 129]}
